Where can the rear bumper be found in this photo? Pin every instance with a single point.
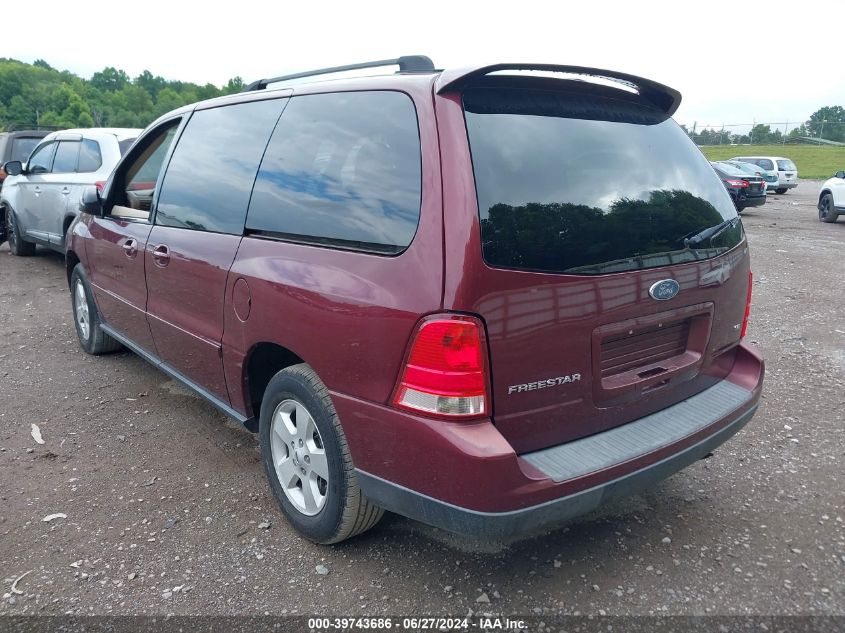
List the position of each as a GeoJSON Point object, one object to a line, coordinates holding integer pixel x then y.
{"type": "Point", "coordinates": [466, 478]}
{"type": "Point", "coordinates": [782, 185]}
{"type": "Point", "coordinates": [505, 525]}
{"type": "Point", "coordinates": [752, 201]}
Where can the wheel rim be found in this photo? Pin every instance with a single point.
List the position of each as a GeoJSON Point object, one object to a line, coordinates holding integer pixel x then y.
{"type": "Point", "coordinates": [299, 457]}
{"type": "Point", "coordinates": [83, 319]}
{"type": "Point", "coordinates": [824, 209]}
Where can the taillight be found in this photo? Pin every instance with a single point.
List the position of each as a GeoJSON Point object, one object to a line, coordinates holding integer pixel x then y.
{"type": "Point", "coordinates": [445, 372]}
{"type": "Point", "coordinates": [100, 185]}
{"type": "Point", "coordinates": [738, 183]}
{"type": "Point", "coordinates": [747, 307]}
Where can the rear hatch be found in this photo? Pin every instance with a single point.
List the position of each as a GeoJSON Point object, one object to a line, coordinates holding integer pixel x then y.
{"type": "Point", "coordinates": [612, 269]}
{"type": "Point", "coordinates": [787, 171]}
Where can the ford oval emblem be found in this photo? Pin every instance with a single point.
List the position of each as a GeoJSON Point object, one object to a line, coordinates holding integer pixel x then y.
{"type": "Point", "coordinates": [664, 289]}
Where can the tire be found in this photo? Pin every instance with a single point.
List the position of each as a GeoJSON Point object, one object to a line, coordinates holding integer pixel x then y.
{"type": "Point", "coordinates": [17, 244]}
{"type": "Point", "coordinates": [297, 407]}
{"type": "Point", "coordinates": [827, 211]}
{"type": "Point", "coordinates": [86, 319]}
{"type": "Point", "coordinates": [781, 191]}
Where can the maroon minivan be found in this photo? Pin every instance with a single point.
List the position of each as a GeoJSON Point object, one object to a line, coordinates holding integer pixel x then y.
{"type": "Point", "coordinates": [489, 299]}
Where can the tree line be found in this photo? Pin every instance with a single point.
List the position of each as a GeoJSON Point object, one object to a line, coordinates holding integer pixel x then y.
{"type": "Point", "coordinates": [39, 96]}
{"type": "Point", "coordinates": [826, 123]}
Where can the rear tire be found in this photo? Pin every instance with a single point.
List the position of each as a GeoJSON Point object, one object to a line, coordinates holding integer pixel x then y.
{"type": "Point", "coordinates": [781, 191]}
{"type": "Point", "coordinates": [17, 244]}
{"type": "Point", "coordinates": [89, 329]}
{"type": "Point", "coordinates": [827, 211]}
{"type": "Point", "coordinates": [307, 461]}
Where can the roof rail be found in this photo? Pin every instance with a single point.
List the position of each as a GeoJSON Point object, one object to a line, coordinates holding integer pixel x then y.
{"type": "Point", "coordinates": [666, 98]}
{"type": "Point", "coordinates": [406, 63]}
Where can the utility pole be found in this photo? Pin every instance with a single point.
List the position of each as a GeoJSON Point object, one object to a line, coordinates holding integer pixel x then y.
{"type": "Point", "coordinates": [821, 131]}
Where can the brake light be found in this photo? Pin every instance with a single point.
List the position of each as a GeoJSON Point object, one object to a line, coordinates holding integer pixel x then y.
{"type": "Point", "coordinates": [747, 307]}
{"type": "Point", "coordinates": [445, 372]}
{"type": "Point", "coordinates": [100, 185]}
{"type": "Point", "coordinates": [738, 183]}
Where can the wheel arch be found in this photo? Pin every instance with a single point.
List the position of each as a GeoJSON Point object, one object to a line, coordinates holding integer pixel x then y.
{"type": "Point", "coordinates": [71, 260]}
{"type": "Point", "coordinates": [823, 192]}
{"type": "Point", "coordinates": [263, 361]}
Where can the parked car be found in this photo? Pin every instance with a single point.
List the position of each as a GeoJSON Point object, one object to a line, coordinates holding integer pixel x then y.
{"type": "Point", "coordinates": [832, 198]}
{"type": "Point", "coordinates": [745, 189]}
{"type": "Point", "coordinates": [771, 178]}
{"type": "Point", "coordinates": [468, 309]}
{"type": "Point", "coordinates": [783, 168]}
{"type": "Point", "coordinates": [39, 201]}
{"type": "Point", "coordinates": [17, 145]}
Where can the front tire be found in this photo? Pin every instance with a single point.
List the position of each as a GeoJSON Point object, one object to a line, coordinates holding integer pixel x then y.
{"type": "Point", "coordinates": [89, 329]}
{"type": "Point", "coordinates": [17, 244]}
{"type": "Point", "coordinates": [781, 191]}
{"type": "Point", "coordinates": [307, 460]}
{"type": "Point", "coordinates": [827, 211]}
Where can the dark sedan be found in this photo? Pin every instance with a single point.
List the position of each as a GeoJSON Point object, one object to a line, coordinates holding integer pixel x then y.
{"type": "Point", "coordinates": [746, 190]}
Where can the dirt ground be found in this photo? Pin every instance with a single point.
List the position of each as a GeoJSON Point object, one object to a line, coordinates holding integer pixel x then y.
{"type": "Point", "coordinates": [168, 512]}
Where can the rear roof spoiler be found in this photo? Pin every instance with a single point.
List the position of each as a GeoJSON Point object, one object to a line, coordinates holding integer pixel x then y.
{"type": "Point", "coordinates": [666, 98]}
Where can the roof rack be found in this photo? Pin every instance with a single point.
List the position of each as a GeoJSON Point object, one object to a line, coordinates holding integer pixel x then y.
{"type": "Point", "coordinates": [406, 63]}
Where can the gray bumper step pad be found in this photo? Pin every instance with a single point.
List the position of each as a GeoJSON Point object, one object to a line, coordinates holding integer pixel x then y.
{"type": "Point", "coordinates": [629, 441]}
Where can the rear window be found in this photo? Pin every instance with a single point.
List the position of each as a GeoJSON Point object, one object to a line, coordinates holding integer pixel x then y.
{"type": "Point", "coordinates": [22, 147]}
{"type": "Point", "coordinates": [730, 170]}
{"type": "Point", "coordinates": [786, 165]}
{"type": "Point", "coordinates": [579, 184]}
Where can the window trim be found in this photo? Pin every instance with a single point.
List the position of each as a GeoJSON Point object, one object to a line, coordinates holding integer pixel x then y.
{"type": "Point", "coordinates": [335, 243]}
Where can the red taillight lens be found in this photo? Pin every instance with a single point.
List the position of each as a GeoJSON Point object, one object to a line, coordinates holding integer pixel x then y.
{"type": "Point", "coordinates": [100, 185]}
{"type": "Point", "coordinates": [445, 371]}
{"type": "Point", "coordinates": [738, 183]}
{"type": "Point", "coordinates": [747, 307]}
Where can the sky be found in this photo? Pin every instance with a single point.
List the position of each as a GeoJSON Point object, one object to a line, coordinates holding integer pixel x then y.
{"type": "Point", "coordinates": [737, 62]}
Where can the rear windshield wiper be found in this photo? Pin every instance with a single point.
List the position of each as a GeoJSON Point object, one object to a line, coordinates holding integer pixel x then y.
{"type": "Point", "coordinates": [709, 233]}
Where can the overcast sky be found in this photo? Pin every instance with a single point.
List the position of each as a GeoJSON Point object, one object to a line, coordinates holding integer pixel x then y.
{"type": "Point", "coordinates": [734, 62]}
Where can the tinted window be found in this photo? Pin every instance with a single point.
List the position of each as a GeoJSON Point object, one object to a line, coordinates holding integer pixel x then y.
{"type": "Point", "coordinates": [89, 156]}
{"type": "Point", "coordinates": [124, 145]}
{"type": "Point", "coordinates": [342, 169]}
{"type": "Point", "coordinates": [589, 185]}
{"type": "Point", "coordinates": [65, 160]}
{"type": "Point", "coordinates": [41, 161]}
{"type": "Point", "coordinates": [211, 172]}
{"type": "Point", "coordinates": [729, 170]}
{"type": "Point", "coordinates": [22, 147]}
{"type": "Point", "coordinates": [765, 163]}
{"type": "Point", "coordinates": [786, 165]}
{"type": "Point", "coordinates": [137, 179]}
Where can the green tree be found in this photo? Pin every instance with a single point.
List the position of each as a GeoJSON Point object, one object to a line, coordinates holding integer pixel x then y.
{"type": "Point", "coordinates": [110, 79]}
{"type": "Point", "coordinates": [828, 123]}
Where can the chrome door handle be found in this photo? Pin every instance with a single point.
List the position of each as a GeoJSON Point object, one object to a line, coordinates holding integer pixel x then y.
{"type": "Point", "coordinates": [161, 255]}
{"type": "Point", "coordinates": [130, 247]}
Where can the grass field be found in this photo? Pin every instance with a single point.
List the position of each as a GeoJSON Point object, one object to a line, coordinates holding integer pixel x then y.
{"type": "Point", "coordinates": [813, 161]}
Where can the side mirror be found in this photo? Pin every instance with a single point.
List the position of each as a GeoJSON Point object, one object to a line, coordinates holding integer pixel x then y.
{"type": "Point", "coordinates": [13, 168]}
{"type": "Point", "coordinates": [91, 202]}
{"type": "Point", "coordinates": [839, 174]}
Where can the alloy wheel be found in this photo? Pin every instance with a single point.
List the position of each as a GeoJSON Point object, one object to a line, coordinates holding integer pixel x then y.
{"type": "Point", "coordinates": [299, 457]}
{"type": "Point", "coordinates": [80, 302]}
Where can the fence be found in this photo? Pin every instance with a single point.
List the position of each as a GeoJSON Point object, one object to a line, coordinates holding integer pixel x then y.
{"type": "Point", "coordinates": [767, 133]}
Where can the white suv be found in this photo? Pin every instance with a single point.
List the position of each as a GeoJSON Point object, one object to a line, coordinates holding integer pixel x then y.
{"type": "Point", "coordinates": [783, 168]}
{"type": "Point", "coordinates": [832, 198]}
{"type": "Point", "coordinates": [40, 198]}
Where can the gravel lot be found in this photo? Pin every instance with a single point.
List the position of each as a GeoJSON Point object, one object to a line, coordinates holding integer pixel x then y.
{"type": "Point", "coordinates": [168, 512]}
